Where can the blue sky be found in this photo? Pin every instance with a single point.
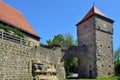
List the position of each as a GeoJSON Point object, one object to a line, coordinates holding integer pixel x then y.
{"type": "Point", "coordinates": [51, 17]}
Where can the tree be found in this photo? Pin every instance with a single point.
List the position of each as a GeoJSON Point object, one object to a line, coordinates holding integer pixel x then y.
{"type": "Point", "coordinates": [117, 61]}
{"type": "Point", "coordinates": [71, 64]}
{"type": "Point", "coordinates": [57, 40]}
{"type": "Point", "coordinates": [62, 39]}
{"type": "Point", "coordinates": [68, 40]}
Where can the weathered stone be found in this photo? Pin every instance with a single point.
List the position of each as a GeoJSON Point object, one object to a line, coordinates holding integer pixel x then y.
{"type": "Point", "coordinates": [96, 33]}
{"type": "Point", "coordinates": [94, 53]}
{"type": "Point", "coordinates": [15, 61]}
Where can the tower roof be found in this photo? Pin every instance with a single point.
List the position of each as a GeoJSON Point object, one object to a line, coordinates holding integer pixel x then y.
{"type": "Point", "coordinates": [93, 11]}
{"type": "Point", "coordinates": [13, 17]}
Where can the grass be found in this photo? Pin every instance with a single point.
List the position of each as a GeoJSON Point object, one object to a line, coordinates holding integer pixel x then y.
{"type": "Point", "coordinates": [110, 78]}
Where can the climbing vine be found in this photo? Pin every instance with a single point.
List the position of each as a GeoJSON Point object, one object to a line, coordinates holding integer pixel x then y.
{"type": "Point", "coordinates": [8, 29]}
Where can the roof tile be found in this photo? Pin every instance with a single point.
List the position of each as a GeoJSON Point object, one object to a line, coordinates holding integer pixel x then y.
{"type": "Point", "coordinates": [93, 11]}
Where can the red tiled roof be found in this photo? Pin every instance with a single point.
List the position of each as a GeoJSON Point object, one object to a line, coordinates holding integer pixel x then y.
{"type": "Point", "coordinates": [15, 18]}
{"type": "Point", "coordinates": [92, 11]}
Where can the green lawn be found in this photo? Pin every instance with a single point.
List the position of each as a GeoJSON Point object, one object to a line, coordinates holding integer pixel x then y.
{"type": "Point", "coordinates": [111, 78]}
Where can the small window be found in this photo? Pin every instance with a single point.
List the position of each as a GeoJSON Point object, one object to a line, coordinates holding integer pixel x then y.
{"type": "Point", "coordinates": [98, 58]}
{"type": "Point", "coordinates": [84, 44]}
{"type": "Point", "coordinates": [90, 66]}
{"type": "Point", "coordinates": [100, 45]}
{"type": "Point", "coordinates": [108, 73]}
{"type": "Point", "coordinates": [108, 46]}
{"type": "Point", "coordinates": [102, 65]}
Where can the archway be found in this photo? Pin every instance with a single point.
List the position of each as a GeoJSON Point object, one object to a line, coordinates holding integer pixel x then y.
{"type": "Point", "coordinates": [74, 67]}
{"type": "Point", "coordinates": [71, 67]}
{"type": "Point", "coordinates": [79, 52]}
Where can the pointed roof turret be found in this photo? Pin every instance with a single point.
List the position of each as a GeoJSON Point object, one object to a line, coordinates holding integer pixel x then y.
{"type": "Point", "coordinates": [92, 12]}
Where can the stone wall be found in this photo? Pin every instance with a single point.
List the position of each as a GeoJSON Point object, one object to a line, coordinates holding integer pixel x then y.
{"type": "Point", "coordinates": [96, 33]}
{"type": "Point", "coordinates": [86, 37]}
{"type": "Point", "coordinates": [50, 60]}
{"type": "Point", "coordinates": [15, 61]}
{"type": "Point", "coordinates": [31, 41]}
{"type": "Point", "coordinates": [79, 52]}
{"type": "Point", "coordinates": [94, 53]}
{"type": "Point", "coordinates": [104, 48]}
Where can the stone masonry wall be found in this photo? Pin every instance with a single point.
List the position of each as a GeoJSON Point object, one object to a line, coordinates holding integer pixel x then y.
{"type": "Point", "coordinates": [15, 61]}
{"type": "Point", "coordinates": [51, 60]}
{"type": "Point", "coordinates": [86, 37]}
{"type": "Point", "coordinates": [104, 48]}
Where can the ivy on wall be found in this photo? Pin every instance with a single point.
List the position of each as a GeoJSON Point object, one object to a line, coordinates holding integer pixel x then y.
{"type": "Point", "coordinates": [8, 29]}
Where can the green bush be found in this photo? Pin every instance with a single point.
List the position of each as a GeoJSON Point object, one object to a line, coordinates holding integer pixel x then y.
{"type": "Point", "coordinates": [117, 69]}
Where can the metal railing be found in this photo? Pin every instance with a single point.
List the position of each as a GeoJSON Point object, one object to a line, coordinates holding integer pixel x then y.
{"type": "Point", "coordinates": [13, 38]}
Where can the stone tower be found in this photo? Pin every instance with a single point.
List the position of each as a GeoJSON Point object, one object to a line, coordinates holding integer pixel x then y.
{"type": "Point", "coordinates": [95, 31]}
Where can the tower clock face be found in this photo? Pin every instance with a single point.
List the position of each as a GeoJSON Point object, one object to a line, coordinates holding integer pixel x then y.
{"type": "Point", "coordinates": [104, 26]}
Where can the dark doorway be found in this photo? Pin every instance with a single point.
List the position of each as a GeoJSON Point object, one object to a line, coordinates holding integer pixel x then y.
{"type": "Point", "coordinates": [90, 73]}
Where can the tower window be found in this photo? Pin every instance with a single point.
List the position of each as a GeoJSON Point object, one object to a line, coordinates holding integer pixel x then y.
{"type": "Point", "coordinates": [101, 45]}
{"type": "Point", "coordinates": [90, 66]}
{"type": "Point", "coordinates": [102, 65]}
{"type": "Point", "coordinates": [108, 46]}
{"type": "Point", "coordinates": [98, 58]}
{"type": "Point", "coordinates": [84, 44]}
{"type": "Point", "coordinates": [108, 73]}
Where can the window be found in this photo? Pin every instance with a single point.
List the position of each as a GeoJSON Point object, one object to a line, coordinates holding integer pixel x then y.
{"type": "Point", "coordinates": [109, 66]}
{"type": "Point", "coordinates": [84, 44]}
{"type": "Point", "coordinates": [108, 73]}
{"type": "Point", "coordinates": [100, 45]}
{"type": "Point", "coordinates": [108, 46]}
{"type": "Point", "coordinates": [102, 65]}
{"type": "Point", "coordinates": [90, 66]}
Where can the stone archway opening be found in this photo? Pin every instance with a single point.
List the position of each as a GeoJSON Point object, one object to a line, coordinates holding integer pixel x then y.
{"type": "Point", "coordinates": [73, 67]}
